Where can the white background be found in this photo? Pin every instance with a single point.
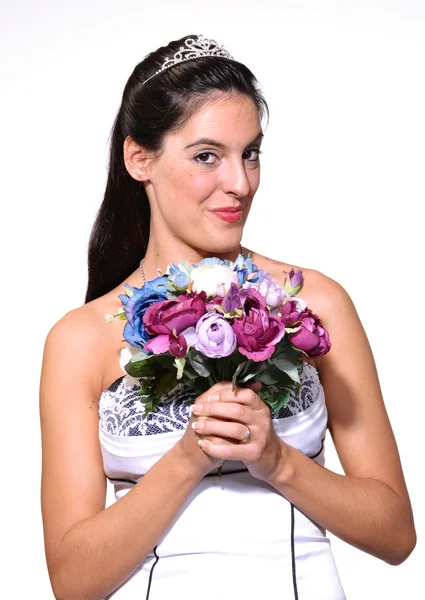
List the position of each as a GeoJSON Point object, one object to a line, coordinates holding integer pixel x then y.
{"type": "Point", "coordinates": [342, 183]}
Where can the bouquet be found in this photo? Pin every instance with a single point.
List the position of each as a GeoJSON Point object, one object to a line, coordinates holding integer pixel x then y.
{"type": "Point", "coordinates": [218, 320]}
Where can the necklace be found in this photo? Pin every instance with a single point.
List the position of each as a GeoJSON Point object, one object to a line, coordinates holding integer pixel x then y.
{"type": "Point", "coordinates": [143, 273]}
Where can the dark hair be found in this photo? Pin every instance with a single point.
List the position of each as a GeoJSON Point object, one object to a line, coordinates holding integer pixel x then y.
{"type": "Point", "coordinates": [120, 233]}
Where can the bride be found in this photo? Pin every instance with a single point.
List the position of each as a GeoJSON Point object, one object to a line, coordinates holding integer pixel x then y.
{"type": "Point", "coordinates": [184, 169]}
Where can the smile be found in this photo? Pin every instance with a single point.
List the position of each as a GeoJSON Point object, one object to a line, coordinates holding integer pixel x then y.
{"type": "Point", "coordinates": [229, 216]}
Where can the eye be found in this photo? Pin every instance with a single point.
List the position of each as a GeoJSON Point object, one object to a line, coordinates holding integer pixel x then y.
{"type": "Point", "coordinates": [203, 157]}
{"type": "Point", "coordinates": [256, 156]}
{"type": "Point", "coordinates": [199, 158]}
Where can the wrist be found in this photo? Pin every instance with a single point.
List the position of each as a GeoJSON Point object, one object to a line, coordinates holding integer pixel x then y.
{"type": "Point", "coordinates": [283, 471]}
{"type": "Point", "coordinates": [185, 464]}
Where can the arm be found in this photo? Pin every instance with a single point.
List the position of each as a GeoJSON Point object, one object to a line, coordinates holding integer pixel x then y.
{"type": "Point", "coordinates": [369, 506]}
{"type": "Point", "coordinates": [91, 550]}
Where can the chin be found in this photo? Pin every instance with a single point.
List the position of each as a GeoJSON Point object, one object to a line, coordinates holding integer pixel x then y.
{"type": "Point", "coordinates": [224, 250]}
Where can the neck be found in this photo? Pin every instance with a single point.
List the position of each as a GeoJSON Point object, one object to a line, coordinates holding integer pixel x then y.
{"type": "Point", "coordinates": [149, 271]}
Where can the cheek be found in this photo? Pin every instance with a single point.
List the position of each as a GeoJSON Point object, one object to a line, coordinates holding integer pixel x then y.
{"type": "Point", "coordinates": [200, 185]}
{"type": "Point", "coordinates": [254, 179]}
{"type": "Point", "coordinates": [187, 183]}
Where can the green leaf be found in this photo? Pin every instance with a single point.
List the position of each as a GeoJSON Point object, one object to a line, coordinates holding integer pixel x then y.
{"type": "Point", "coordinates": [281, 346]}
{"type": "Point", "coordinates": [246, 378]}
{"type": "Point", "coordinates": [141, 369]}
{"type": "Point", "coordinates": [254, 370]}
{"type": "Point", "coordinates": [189, 372]}
{"type": "Point", "coordinates": [287, 366]}
{"type": "Point", "coordinates": [239, 372]}
{"type": "Point", "coordinates": [141, 365]}
{"type": "Point", "coordinates": [166, 360]}
{"type": "Point", "coordinates": [278, 400]}
{"type": "Point", "coordinates": [237, 358]}
{"type": "Point", "coordinates": [199, 362]}
{"type": "Point", "coordinates": [285, 350]}
{"type": "Point", "coordinates": [201, 385]}
{"type": "Point", "coordinates": [148, 401]}
{"type": "Point", "coordinates": [167, 382]}
{"type": "Point", "coordinates": [268, 377]}
{"type": "Point", "coordinates": [139, 356]}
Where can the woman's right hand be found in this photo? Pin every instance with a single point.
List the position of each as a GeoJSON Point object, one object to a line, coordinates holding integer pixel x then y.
{"type": "Point", "coordinates": [189, 441]}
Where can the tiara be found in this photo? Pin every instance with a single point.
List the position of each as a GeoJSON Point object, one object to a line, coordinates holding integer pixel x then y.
{"type": "Point", "coordinates": [195, 48]}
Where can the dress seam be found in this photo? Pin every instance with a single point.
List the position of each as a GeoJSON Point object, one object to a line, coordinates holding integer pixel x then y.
{"type": "Point", "coordinates": [148, 591]}
{"type": "Point", "coordinates": [294, 571]}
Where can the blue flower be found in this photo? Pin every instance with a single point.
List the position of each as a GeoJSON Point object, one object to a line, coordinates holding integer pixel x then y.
{"type": "Point", "coordinates": [211, 260]}
{"type": "Point", "coordinates": [136, 305]}
{"type": "Point", "coordinates": [179, 275]}
{"type": "Point", "coordinates": [244, 267]}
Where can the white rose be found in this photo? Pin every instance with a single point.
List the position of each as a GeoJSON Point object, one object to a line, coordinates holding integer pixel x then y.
{"type": "Point", "coordinates": [126, 355]}
{"type": "Point", "coordinates": [214, 280]}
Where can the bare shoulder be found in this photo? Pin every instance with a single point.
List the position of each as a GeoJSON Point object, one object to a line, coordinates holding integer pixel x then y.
{"type": "Point", "coordinates": [325, 296]}
{"type": "Point", "coordinates": [83, 342]}
{"type": "Point", "coordinates": [78, 326]}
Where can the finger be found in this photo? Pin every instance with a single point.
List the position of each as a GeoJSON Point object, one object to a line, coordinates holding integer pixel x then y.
{"type": "Point", "coordinates": [225, 429]}
{"type": "Point", "coordinates": [228, 411]}
{"type": "Point", "coordinates": [229, 451]}
{"type": "Point", "coordinates": [220, 385]}
{"type": "Point", "coordinates": [241, 395]}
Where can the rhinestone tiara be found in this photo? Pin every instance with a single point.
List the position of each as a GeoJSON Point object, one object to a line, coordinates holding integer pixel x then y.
{"type": "Point", "coordinates": [194, 48]}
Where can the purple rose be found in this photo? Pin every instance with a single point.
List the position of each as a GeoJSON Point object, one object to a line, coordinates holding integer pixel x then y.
{"type": "Point", "coordinates": [257, 331]}
{"type": "Point", "coordinates": [311, 337]}
{"type": "Point", "coordinates": [213, 336]}
{"type": "Point", "coordinates": [159, 344]}
{"type": "Point", "coordinates": [295, 283]}
{"type": "Point", "coordinates": [232, 301]}
{"type": "Point", "coordinates": [167, 319]}
{"type": "Point", "coordinates": [174, 315]}
{"type": "Point", "coordinates": [290, 313]}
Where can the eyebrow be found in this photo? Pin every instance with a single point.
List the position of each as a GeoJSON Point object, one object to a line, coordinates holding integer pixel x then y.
{"type": "Point", "coordinates": [211, 142]}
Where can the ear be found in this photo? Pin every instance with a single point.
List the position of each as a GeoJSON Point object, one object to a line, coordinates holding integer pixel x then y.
{"type": "Point", "coordinates": [136, 159]}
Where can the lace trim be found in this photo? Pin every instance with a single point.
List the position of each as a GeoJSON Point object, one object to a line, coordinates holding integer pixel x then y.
{"type": "Point", "coordinates": [121, 407]}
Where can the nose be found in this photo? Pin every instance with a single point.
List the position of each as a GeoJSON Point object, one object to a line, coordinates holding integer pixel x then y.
{"type": "Point", "coordinates": [235, 178]}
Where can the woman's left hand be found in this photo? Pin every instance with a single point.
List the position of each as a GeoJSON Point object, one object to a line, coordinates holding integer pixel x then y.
{"type": "Point", "coordinates": [232, 415]}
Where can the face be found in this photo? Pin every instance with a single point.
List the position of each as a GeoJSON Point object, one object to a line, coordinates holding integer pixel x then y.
{"type": "Point", "coordinates": [211, 163]}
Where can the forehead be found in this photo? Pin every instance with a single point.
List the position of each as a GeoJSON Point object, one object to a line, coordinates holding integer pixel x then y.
{"type": "Point", "coordinates": [230, 117]}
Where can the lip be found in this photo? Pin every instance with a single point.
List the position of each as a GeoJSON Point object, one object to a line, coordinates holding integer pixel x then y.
{"type": "Point", "coordinates": [228, 209]}
{"type": "Point", "coordinates": [231, 216]}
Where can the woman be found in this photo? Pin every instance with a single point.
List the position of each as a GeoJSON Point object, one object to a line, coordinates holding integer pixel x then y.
{"type": "Point", "coordinates": [184, 154]}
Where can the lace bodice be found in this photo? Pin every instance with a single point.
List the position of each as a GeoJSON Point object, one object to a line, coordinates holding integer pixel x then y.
{"type": "Point", "coordinates": [121, 407]}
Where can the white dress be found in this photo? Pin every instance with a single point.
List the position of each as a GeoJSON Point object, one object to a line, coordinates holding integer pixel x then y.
{"type": "Point", "coordinates": [235, 536]}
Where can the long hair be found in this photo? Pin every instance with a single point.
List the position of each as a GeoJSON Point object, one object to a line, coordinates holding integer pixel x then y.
{"type": "Point", "coordinates": [120, 233]}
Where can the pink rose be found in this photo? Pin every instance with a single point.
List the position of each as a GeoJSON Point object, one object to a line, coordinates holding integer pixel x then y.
{"type": "Point", "coordinates": [311, 337]}
{"type": "Point", "coordinates": [290, 313]}
{"type": "Point", "coordinates": [167, 319]}
{"type": "Point", "coordinates": [179, 314]}
{"type": "Point", "coordinates": [257, 331]}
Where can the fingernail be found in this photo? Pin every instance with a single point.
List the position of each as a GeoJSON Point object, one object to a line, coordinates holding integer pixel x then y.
{"type": "Point", "coordinates": [196, 408]}
{"type": "Point", "coordinates": [213, 397]}
{"type": "Point", "coordinates": [198, 425]}
{"type": "Point", "coordinates": [201, 443]}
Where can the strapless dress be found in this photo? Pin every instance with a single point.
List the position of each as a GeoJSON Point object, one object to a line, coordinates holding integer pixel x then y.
{"type": "Point", "coordinates": [234, 536]}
